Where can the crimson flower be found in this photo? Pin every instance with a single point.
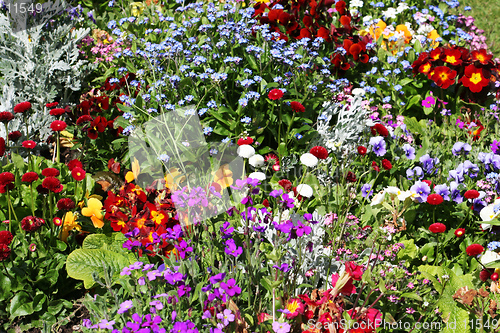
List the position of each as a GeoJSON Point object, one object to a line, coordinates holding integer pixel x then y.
{"type": "Point", "coordinates": [362, 150]}
{"type": "Point", "coordinates": [51, 105]}
{"type": "Point", "coordinates": [97, 126]}
{"type": "Point", "coordinates": [22, 107]}
{"type": "Point", "coordinates": [485, 274]}
{"type": "Point", "coordinates": [380, 129]}
{"type": "Point", "coordinates": [6, 116]}
{"type": "Point", "coordinates": [460, 232]}
{"type": "Point", "coordinates": [30, 144]}
{"type": "Point", "coordinates": [443, 76]}
{"type": "Point", "coordinates": [320, 152]}
{"type": "Point", "coordinates": [471, 194]}
{"type": "Point", "coordinates": [29, 177]}
{"type": "Point", "coordinates": [245, 141]}
{"type": "Point", "coordinates": [58, 125]}
{"type": "Point", "coordinates": [474, 249]}
{"type": "Point", "coordinates": [52, 184]}
{"type": "Point", "coordinates": [5, 237]}
{"type": "Point", "coordinates": [297, 106]}
{"type": "Point", "coordinates": [386, 164]}
{"type": "Point", "coordinates": [78, 173]}
{"type": "Point", "coordinates": [481, 56]}
{"type": "Point", "coordinates": [65, 204]}
{"type": "Point", "coordinates": [475, 78]}
{"type": "Point", "coordinates": [435, 199]}
{"type": "Point", "coordinates": [15, 135]}
{"type": "Point", "coordinates": [347, 289]}
{"type": "Point", "coordinates": [375, 166]}
{"type": "Point", "coordinates": [31, 223]}
{"type": "Point", "coordinates": [275, 94]}
{"type": "Point", "coordinates": [355, 271]}
{"type": "Point", "coordinates": [4, 252]}
{"type": "Point", "coordinates": [84, 118]}
{"type": "Point", "coordinates": [286, 184]}
{"type": "Point", "coordinates": [2, 147]}
{"type": "Point", "coordinates": [50, 172]}
{"type": "Point", "coordinates": [57, 221]}
{"type": "Point", "coordinates": [57, 112]}
{"type": "Point", "coordinates": [6, 178]}
{"type": "Point", "coordinates": [73, 164]}
{"type": "Point", "coordinates": [351, 177]}
{"type": "Point", "coordinates": [437, 228]}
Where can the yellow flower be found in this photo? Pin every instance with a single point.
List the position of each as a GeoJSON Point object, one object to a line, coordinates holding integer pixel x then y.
{"type": "Point", "coordinates": [136, 170]}
{"type": "Point", "coordinates": [433, 35]}
{"type": "Point", "coordinates": [94, 211]}
{"type": "Point", "coordinates": [173, 179]}
{"type": "Point", "coordinates": [68, 225]}
{"type": "Point", "coordinates": [224, 176]}
{"type": "Point", "coordinates": [137, 8]}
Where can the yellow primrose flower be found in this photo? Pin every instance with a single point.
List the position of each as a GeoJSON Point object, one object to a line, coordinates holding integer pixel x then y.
{"type": "Point", "coordinates": [68, 225]}
{"type": "Point", "coordinates": [136, 170]}
{"type": "Point", "coordinates": [94, 211]}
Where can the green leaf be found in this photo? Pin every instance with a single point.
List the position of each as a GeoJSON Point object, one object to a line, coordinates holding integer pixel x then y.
{"type": "Point", "coordinates": [82, 262]}
{"type": "Point", "coordinates": [410, 250]}
{"type": "Point", "coordinates": [412, 296]}
{"type": "Point", "coordinates": [114, 242]}
{"type": "Point", "coordinates": [20, 305]}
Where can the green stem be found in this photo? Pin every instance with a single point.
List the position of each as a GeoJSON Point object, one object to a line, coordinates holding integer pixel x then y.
{"type": "Point", "coordinates": [58, 147]}
{"type": "Point", "coordinates": [32, 200]}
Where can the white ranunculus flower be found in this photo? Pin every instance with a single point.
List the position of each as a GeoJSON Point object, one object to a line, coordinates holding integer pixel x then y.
{"type": "Point", "coordinates": [256, 160]}
{"type": "Point", "coordinates": [358, 92]}
{"type": "Point", "coordinates": [489, 256]}
{"type": "Point", "coordinates": [305, 190]}
{"type": "Point", "coordinates": [245, 151]}
{"type": "Point", "coordinates": [257, 175]}
{"type": "Point", "coordinates": [378, 198]}
{"type": "Point", "coordinates": [309, 160]}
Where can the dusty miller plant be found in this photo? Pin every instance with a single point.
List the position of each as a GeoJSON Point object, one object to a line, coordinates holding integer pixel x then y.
{"type": "Point", "coordinates": [40, 64]}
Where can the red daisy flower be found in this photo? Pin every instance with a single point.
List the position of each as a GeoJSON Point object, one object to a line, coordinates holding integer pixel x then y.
{"type": "Point", "coordinates": [351, 177]}
{"type": "Point", "coordinates": [52, 184]}
{"type": "Point", "coordinates": [386, 164]}
{"type": "Point", "coordinates": [58, 125]}
{"type": "Point", "coordinates": [4, 252]}
{"type": "Point", "coordinates": [320, 152]}
{"type": "Point", "coordinates": [57, 112]}
{"type": "Point", "coordinates": [275, 94]}
{"type": "Point", "coordinates": [471, 194]}
{"type": "Point", "coordinates": [31, 223]}
{"type": "Point", "coordinates": [15, 135]}
{"type": "Point", "coordinates": [437, 228]}
{"type": "Point", "coordinates": [50, 172]}
{"type": "Point", "coordinates": [5, 237]}
{"type": "Point", "coordinates": [51, 105]}
{"type": "Point", "coordinates": [245, 141]}
{"type": "Point", "coordinates": [297, 107]}
{"type": "Point", "coordinates": [380, 129]}
{"type": "Point", "coordinates": [29, 177]}
{"type": "Point", "coordinates": [65, 204]}
{"type": "Point", "coordinates": [6, 116]}
{"type": "Point", "coordinates": [286, 184]}
{"type": "Point", "coordinates": [474, 250]}
{"type": "Point", "coordinates": [435, 199]}
{"type": "Point", "coordinates": [78, 173]}
{"type": "Point", "coordinates": [460, 232]}
{"type": "Point", "coordinates": [6, 178]}
{"type": "Point", "coordinates": [57, 221]}
{"type": "Point", "coordinates": [22, 107]}
{"type": "Point", "coordinates": [362, 150]}
{"type": "Point", "coordinates": [30, 144]}
{"type": "Point", "coordinates": [73, 164]}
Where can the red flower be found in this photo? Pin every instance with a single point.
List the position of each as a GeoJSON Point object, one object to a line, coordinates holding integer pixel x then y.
{"type": "Point", "coordinates": [78, 173]}
{"type": "Point", "coordinates": [51, 105]}
{"type": "Point", "coordinates": [482, 57]}
{"type": "Point", "coordinates": [471, 194]}
{"type": "Point", "coordinates": [347, 289]}
{"type": "Point", "coordinates": [265, 203]}
{"type": "Point", "coordinates": [57, 221]}
{"type": "Point", "coordinates": [275, 94]}
{"type": "Point", "coordinates": [386, 164]}
{"type": "Point", "coordinates": [355, 271]}
{"type": "Point", "coordinates": [29, 177]}
{"type": "Point", "coordinates": [297, 107]}
{"type": "Point", "coordinates": [485, 274]}
{"type": "Point", "coordinates": [15, 135]}
{"type": "Point", "coordinates": [286, 184]}
{"type": "Point", "coordinates": [57, 112]}
{"type": "Point", "coordinates": [319, 152]}
{"type": "Point", "coordinates": [50, 172]}
{"type": "Point", "coordinates": [6, 116]}
{"type": "Point", "coordinates": [97, 126]}
{"type": "Point", "coordinates": [460, 232]}
{"type": "Point", "coordinates": [428, 182]}
{"type": "Point", "coordinates": [84, 118]}
{"type": "Point", "coordinates": [6, 178]}
{"type": "Point", "coordinates": [437, 228]}
{"type": "Point", "coordinates": [474, 250]}
{"type": "Point", "coordinates": [73, 164]}
{"type": "Point", "coordinates": [22, 107]}
{"type": "Point", "coordinates": [435, 199]}
{"type": "Point", "coordinates": [65, 204]}
{"type": "Point", "coordinates": [5, 237]}
{"type": "Point", "coordinates": [52, 184]}
{"type": "Point", "coordinates": [2, 147]}
{"type": "Point", "coordinates": [453, 57]}
{"type": "Point", "coordinates": [30, 144]}
{"type": "Point", "coordinates": [362, 150]}
{"type": "Point", "coordinates": [58, 125]}
{"type": "Point", "coordinates": [31, 223]}
{"type": "Point", "coordinates": [245, 141]}
{"type": "Point", "coordinates": [375, 166]}
{"type": "Point", "coordinates": [340, 7]}
{"type": "Point", "coordinates": [351, 177]}
{"type": "Point", "coordinates": [380, 129]}
{"type": "Point", "coordinates": [475, 78]}
{"type": "Point", "coordinates": [4, 252]}
{"type": "Point", "coordinates": [443, 76]}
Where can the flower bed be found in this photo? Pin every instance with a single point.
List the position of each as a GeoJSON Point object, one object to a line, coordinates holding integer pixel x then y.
{"type": "Point", "coordinates": [249, 166]}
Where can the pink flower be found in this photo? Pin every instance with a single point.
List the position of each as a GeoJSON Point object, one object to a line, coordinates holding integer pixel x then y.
{"type": "Point", "coordinates": [429, 102]}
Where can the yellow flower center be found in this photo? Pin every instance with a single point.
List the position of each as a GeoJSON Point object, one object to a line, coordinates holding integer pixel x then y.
{"type": "Point", "coordinates": [451, 59]}
{"type": "Point", "coordinates": [292, 307]}
{"type": "Point", "coordinates": [476, 78]}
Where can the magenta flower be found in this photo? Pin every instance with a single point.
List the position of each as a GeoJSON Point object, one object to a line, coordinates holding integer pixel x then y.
{"type": "Point", "coordinates": [429, 102]}
{"type": "Point", "coordinates": [232, 249]}
{"type": "Point", "coordinates": [182, 248]}
{"type": "Point", "coordinates": [227, 316]}
{"type": "Point", "coordinates": [230, 287]}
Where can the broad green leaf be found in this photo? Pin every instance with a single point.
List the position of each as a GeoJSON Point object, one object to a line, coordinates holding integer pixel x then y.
{"type": "Point", "coordinates": [20, 305]}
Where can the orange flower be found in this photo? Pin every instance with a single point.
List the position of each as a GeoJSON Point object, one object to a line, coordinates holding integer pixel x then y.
{"type": "Point", "coordinates": [377, 30]}
{"type": "Point", "coordinates": [404, 29]}
{"type": "Point", "coordinates": [475, 78]}
{"type": "Point", "coordinates": [444, 76]}
{"type": "Point", "coordinates": [433, 35]}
